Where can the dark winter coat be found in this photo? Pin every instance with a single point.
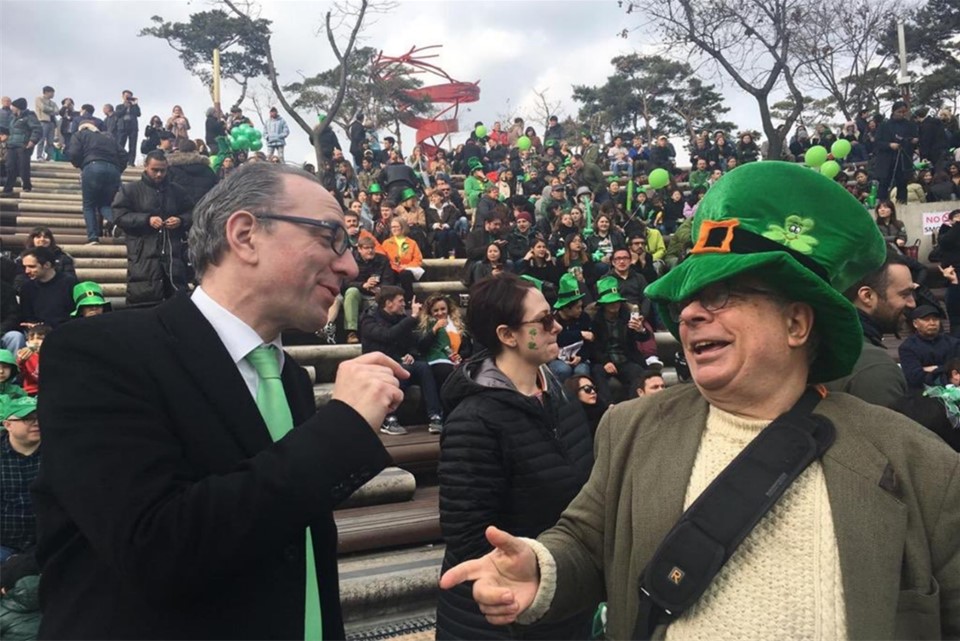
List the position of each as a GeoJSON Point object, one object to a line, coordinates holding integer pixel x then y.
{"type": "Point", "coordinates": [153, 254]}
{"type": "Point", "coordinates": [127, 115]}
{"type": "Point", "coordinates": [934, 139]}
{"type": "Point", "coordinates": [392, 334]}
{"type": "Point", "coordinates": [89, 146]}
{"type": "Point", "coordinates": [192, 172]}
{"type": "Point", "coordinates": [24, 129]}
{"type": "Point", "coordinates": [511, 461]}
{"type": "Point", "coordinates": [379, 265]}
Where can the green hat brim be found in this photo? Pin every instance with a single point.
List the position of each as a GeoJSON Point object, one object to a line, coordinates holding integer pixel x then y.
{"type": "Point", "coordinates": [568, 300]}
{"type": "Point", "coordinates": [7, 358]}
{"type": "Point", "coordinates": [18, 407]}
{"type": "Point", "coordinates": [836, 319]}
{"type": "Point", "coordinates": [95, 301]}
{"type": "Point", "coordinates": [611, 297]}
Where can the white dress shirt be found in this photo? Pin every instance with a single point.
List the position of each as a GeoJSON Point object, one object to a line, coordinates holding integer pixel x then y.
{"type": "Point", "coordinates": [239, 338]}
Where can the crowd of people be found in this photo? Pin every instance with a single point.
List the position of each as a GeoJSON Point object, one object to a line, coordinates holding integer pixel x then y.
{"type": "Point", "coordinates": [573, 263]}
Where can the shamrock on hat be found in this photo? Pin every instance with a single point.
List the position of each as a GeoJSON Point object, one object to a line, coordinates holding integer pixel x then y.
{"type": "Point", "coordinates": [87, 294]}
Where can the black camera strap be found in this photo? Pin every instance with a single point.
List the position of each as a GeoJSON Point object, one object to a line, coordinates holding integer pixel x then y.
{"type": "Point", "coordinates": [711, 529]}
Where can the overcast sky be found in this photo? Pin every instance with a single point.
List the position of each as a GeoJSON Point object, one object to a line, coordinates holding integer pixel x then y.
{"type": "Point", "coordinates": [89, 50]}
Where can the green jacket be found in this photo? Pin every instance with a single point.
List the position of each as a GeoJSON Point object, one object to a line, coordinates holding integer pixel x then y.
{"type": "Point", "coordinates": [473, 189]}
{"type": "Point", "coordinates": [23, 129]}
{"type": "Point", "coordinates": [20, 611]}
{"type": "Point", "coordinates": [681, 241]}
{"type": "Point", "coordinates": [876, 378]}
{"type": "Point", "coordinates": [592, 176]}
{"type": "Point", "coordinates": [699, 179]}
{"type": "Point", "coordinates": [894, 492]}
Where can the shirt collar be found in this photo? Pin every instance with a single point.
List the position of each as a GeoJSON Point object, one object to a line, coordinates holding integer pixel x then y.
{"type": "Point", "coordinates": [239, 338]}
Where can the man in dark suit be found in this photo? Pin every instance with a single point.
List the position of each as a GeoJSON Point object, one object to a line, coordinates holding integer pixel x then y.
{"type": "Point", "coordinates": [169, 506]}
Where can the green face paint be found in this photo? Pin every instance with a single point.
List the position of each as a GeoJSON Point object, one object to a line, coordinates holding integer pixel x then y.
{"type": "Point", "coordinates": [531, 345]}
{"type": "Point", "coordinates": [532, 331]}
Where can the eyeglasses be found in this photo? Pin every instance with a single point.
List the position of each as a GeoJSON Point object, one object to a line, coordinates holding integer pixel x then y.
{"type": "Point", "coordinates": [616, 258]}
{"type": "Point", "coordinates": [715, 297]}
{"type": "Point", "coordinates": [547, 321]}
{"type": "Point", "coordinates": [339, 242]}
{"type": "Point", "coordinates": [589, 389]}
{"type": "Point", "coordinates": [29, 420]}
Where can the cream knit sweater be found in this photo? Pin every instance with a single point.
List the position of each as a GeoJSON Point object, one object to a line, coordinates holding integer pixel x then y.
{"type": "Point", "coordinates": [784, 581]}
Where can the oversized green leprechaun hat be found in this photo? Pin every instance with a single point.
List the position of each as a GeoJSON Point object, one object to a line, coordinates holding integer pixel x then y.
{"type": "Point", "coordinates": [802, 232]}
{"type": "Point", "coordinates": [407, 194]}
{"type": "Point", "coordinates": [475, 164]}
{"type": "Point", "coordinates": [87, 293]}
{"type": "Point", "coordinates": [568, 291]}
{"type": "Point", "coordinates": [608, 291]}
{"type": "Point", "coordinates": [374, 189]}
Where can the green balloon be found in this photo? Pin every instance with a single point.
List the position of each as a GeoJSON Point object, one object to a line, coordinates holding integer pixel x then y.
{"type": "Point", "coordinates": [841, 149]}
{"type": "Point", "coordinates": [256, 145]}
{"type": "Point", "coordinates": [255, 134]}
{"type": "Point", "coordinates": [480, 131]}
{"type": "Point", "coordinates": [815, 156]}
{"type": "Point", "coordinates": [659, 178]}
{"type": "Point", "coordinates": [524, 143]}
{"type": "Point", "coordinates": [830, 168]}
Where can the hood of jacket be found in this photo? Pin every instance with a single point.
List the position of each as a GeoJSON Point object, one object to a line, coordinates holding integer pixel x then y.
{"type": "Point", "coordinates": [181, 159]}
{"type": "Point", "coordinates": [480, 375]}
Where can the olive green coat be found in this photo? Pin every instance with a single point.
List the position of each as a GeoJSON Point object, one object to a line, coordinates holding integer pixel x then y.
{"type": "Point", "coordinates": [894, 492]}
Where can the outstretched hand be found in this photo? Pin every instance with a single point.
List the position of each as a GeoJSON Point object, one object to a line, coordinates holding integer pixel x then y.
{"type": "Point", "coordinates": [505, 581]}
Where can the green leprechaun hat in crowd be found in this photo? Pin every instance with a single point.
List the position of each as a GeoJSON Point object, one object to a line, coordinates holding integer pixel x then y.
{"type": "Point", "coordinates": [568, 291]}
{"type": "Point", "coordinates": [86, 294]}
{"type": "Point", "coordinates": [802, 232]}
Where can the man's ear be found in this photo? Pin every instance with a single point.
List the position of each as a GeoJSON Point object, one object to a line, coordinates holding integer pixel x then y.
{"type": "Point", "coordinates": [243, 234]}
{"type": "Point", "coordinates": [799, 317]}
{"type": "Point", "coordinates": [867, 297]}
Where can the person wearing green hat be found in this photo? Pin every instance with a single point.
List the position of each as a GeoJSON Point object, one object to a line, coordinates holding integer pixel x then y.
{"type": "Point", "coordinates": [576, 327]}
{"type": "Point", "coordinates": [851, 539]}
{"type": "Point", "coordinates": [619, 334]}
{"type": "Point", "coordinates": [19, 467]}
{"type": "Point", "coordinates": [89, 300]}
{"type": "Point", "coordinates": [473, 184]}
{"type": "Point", "coordinates": [9, 369]}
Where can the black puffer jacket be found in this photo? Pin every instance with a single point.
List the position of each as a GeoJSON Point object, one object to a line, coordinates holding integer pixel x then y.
{"type": "Point", "coordinates": [153, 254]}
{"type": "Point", "coordinates": [392, 334]}
{"type": "Point", "coordinates": [505, 460]}
{"type": "Point", "coordinates": [192, 172]}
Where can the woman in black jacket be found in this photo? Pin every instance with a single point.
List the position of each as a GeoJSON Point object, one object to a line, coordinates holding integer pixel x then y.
{"type": "Point", "coordinates": [151, 135]}
{"type": "Point", "coordinates": [515, 449]}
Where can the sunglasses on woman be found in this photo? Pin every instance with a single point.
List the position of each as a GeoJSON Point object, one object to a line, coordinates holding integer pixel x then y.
{"type": "Point", "coordinates": [589, 389]}
{"type": "Point", "coordinates": [546, 322]}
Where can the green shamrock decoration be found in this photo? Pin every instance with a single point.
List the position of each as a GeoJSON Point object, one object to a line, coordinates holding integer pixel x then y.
{"type": "Point", "coordinates": [794, 234]}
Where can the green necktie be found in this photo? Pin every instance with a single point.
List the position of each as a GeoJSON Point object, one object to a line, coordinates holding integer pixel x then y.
{"type": "Point", "coordinates": [272, 403]}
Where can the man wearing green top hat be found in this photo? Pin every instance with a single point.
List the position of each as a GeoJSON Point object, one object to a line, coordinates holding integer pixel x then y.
{"type": "Point", "coordinates": [89, 300]}
{"type": "Point", "coordinates": [473, 184]}
{"type": "Point", "coordinates": [862, 543]}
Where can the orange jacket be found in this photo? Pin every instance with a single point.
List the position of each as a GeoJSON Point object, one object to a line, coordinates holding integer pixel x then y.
{"type": "Point", "coordinates": [403, 253]}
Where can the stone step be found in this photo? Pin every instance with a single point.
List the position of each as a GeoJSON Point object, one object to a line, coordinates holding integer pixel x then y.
{"type": "Point", "coordinates": [42, 206]}
{"type": "Point", "coordinates": [381, 585]}
{"type": "Point", "coordinates": [100, 263]}
{"type": "Point", "coordinates": [104, 275]}
{"type": "Point", "coordinates": [97, 251]}
{"type": "Point", "coordinates": [392, 485]}
{"type": "Point", "coordinates": [27, 221]}
{"type": "Point", "coordinates": [14, 239]}
{"type": "Point", "coordinates": [51, 196]}
{"type": "Point", "coordinates": [391, 525]}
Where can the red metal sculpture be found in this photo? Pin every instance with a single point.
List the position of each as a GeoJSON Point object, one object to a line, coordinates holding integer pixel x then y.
{"type": "Point", "coordinates": [450, 95]}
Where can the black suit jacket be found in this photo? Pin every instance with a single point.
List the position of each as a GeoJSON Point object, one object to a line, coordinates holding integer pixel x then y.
{"type": "Point", "coordinates": [164, 509]}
